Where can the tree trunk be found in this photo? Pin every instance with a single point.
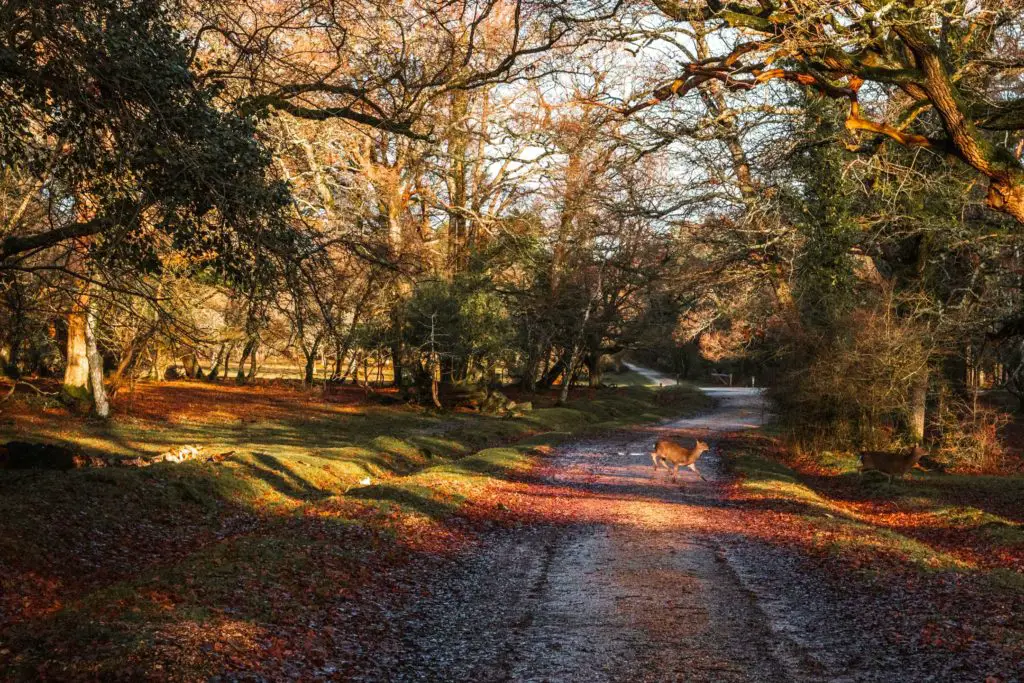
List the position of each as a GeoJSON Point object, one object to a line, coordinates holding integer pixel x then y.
{"type": "Point", "coordinates": [338, 359]}
{"type": "Point", "coordinates": [220, 360]}
{"type": "Point", "coordinates": [458, 144]}
{"type": "Point", "coordinates": [592, 361]}
{"type": "Point", "coordinates": [532, 367]}
{"type": "Point", "coordinates": [309, 373]}
{"type": "Point", "coordinates": [572, 367]}
{"type": "Point", "coordinates": [568, 376]}
{"type": "Point", "coordinates": [76, 371]}
{"type": "Point", "coordinates": [129, 361]}
{"type": "Point", "coordinates": [351, 368]}
{"type": "Point", "coordinates": [460, 368]}
{"type": "Point", "coordinates": [378, 359]}
{"type": "Point", "coordinates": [435, 380]}
{"type": "Point", "coordinates": [310, 370]}
{"type": "Point", "coordinates": [247, 350]}
{"type": "Point", "coordinates": [252, 362]}
{"type": "Point", "coordinates": [193, 366]}
{"type": "Point", "coordinates": [918, 402]}
{"type": "Point", "coordinates": [396, 364]}
{"type": "Point", "coordinates": [227, 359]}
{"type": "Point", "coordinates": [99, 395]}
{"type": "Point", "coordinates": [554, 372]}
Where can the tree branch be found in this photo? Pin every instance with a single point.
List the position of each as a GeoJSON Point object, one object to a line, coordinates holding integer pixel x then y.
{"type": "Point", "coordinates": [14, 245]}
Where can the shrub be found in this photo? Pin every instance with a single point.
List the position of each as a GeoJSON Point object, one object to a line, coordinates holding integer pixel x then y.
{"type": "Point", "coordinates": [853, 387]}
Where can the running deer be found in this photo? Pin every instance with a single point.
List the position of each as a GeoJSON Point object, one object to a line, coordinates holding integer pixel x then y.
{"type": "Point", "coordinates": [890, 464]}
{"type": "Point", "coordinates": [666, 452]}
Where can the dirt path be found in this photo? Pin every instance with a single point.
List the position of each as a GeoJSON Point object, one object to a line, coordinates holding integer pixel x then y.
{"type": "Point", "coordinates": [624, 580]}
{"type": "Point", "coordinates": [652, 376]}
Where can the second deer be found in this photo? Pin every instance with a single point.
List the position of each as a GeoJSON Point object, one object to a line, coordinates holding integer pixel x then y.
{"type": "Point", "coordinates": [891, 464]}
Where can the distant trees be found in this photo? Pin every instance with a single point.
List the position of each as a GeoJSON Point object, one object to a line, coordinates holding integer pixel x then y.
{"type": "Point", "coordinates": [190, 187]}
{"type": "Point", "coordinates": [462, 191]}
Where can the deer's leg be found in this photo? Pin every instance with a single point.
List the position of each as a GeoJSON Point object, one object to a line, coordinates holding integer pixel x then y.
{"type": "Point", "coordinates": [654, 457]}
{"type": "Point", "coordinates": [693, 466]}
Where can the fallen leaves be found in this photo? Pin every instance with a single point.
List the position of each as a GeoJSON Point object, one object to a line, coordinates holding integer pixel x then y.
{"type": "Point", "coordinates": [931, 579]}
{"type": "Point", "coordinates": [143, 575]}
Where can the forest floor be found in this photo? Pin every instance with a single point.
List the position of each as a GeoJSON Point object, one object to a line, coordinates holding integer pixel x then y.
{"type": "Point", "coordinates": [542, 547]}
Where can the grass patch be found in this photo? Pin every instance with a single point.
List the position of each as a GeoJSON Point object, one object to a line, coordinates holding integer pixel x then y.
{"type": "Point", "coordinates": [928, 522]}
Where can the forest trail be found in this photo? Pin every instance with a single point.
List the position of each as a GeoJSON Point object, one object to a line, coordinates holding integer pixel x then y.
{"type": "Point", "coordinates": [624, 578]}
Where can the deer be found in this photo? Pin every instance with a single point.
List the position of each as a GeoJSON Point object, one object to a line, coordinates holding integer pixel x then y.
{"type": "Point", "coordinates": [666, 452]}
{"type": "Point", "coordinates": [891, 464]}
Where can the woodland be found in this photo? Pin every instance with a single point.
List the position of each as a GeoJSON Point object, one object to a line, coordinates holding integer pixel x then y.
{"type": "Point", "coordinates": [266, 264]}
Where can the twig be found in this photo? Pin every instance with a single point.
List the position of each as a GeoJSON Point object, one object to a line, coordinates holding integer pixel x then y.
{"type": "Point", "coordinates": [33, 387]}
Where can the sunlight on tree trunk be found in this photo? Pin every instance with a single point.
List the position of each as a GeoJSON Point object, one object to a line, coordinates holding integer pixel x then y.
{"type": "Point", "coordinates": [83, 375]}
{"type": "Point", "coordinates": [99, 395]}
{"type": "Point", "coordinates": [76, 371]}
{"type": "Point", "coordinates": [918, 406]}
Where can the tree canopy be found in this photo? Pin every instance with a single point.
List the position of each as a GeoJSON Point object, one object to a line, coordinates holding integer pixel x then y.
{"type": "Point", "coordinates": [935, 74]}
{"type": "Point", "coordinates": [116, 144]}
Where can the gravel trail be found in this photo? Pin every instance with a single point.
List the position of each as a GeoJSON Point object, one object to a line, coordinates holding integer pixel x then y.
{"type": "Point", "coordinates": [609, 571]}
{"type": "Point", "coordinates": [629, 584]}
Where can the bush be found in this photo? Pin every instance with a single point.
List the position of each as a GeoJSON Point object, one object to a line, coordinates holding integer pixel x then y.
{"type": "Point", "coordinates": [852, 388]}
{"type": "Point", "coordinates": [967, 434]}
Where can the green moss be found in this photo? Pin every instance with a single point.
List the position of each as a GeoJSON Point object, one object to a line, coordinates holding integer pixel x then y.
{"type": "Point", "coordinates": [80, 394]}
